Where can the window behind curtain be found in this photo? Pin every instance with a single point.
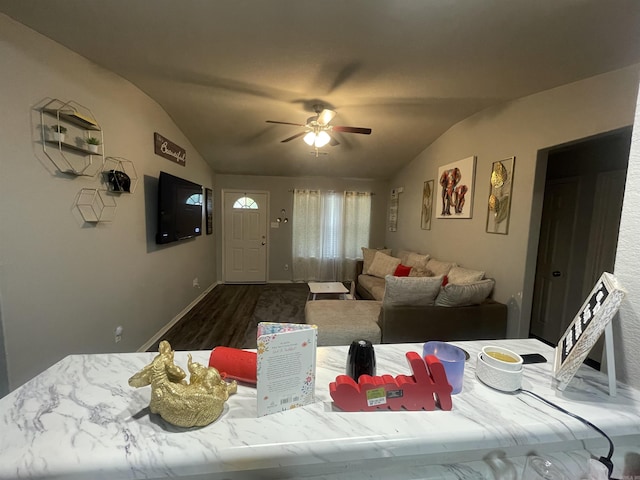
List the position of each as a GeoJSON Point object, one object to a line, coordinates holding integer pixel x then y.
{"type": "Point", "coordinates": [329, 228]}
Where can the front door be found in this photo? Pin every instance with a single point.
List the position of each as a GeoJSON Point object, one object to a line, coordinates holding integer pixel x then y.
{"type": "Point", "coordinates": [245, 216]}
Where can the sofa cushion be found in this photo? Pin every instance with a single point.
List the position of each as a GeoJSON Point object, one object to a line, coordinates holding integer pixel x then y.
{"type": "Point", "coordinates": [440, 268]}
{"type": "Point", "coordinates": [402, 271]}
{"type": "Point", "coordinates": [414, 291]}
{"type": "Point", "coordinates": [367, 256]}
{"type": "Point", "coordinates": [383, 265]}
{"type": "Point", "coordinates": [373, 285]}
{"type": "Point", "coordinates": [402, 255]}
{"type": "Point", "coordinates": [417, 260]}
{"type": "Point", "coordinates": [464, 275]}
{"type": "Point", "coordinates": [420, 272]}
{"type": "Point", "coordinates": [456, 295]}
{"type": "Point", "coordinates": [340, 322]}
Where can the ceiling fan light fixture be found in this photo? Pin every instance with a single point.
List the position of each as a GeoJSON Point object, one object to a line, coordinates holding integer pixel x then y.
{"type": "Point", "coordinates": [322, 138]}
{"type": "Point", "coordinates": [317, 140]}
{"type": "Point", "coordinates": [309, 138]}
{"type": "Point", "coordinates": [317, 129]}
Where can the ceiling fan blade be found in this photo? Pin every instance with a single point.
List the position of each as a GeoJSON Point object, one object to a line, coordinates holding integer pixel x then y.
{"type": "Point", "coordinates": [333, 142]}
{"type": "Point", "coordinates": [325, 116]}
{"type": "Point", "coordinates": [293, 137]}
{"type": "Point", "coordinates": [286, 123]}
{"type": "Point", "coordinates": [342, 128]}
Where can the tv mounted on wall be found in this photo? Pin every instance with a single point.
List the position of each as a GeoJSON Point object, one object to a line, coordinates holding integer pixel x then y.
{"type": "Point", "coordinates": [179, 209]}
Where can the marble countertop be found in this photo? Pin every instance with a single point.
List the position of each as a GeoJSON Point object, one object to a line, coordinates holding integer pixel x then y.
{"type": "Point", "coordinates": [80, 419]}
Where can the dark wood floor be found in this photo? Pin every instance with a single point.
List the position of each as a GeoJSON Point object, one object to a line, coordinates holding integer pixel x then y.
{"type": "Point", "coordinates": [229, 315]}
{"type": "Point", "coordinates": [222, 317]}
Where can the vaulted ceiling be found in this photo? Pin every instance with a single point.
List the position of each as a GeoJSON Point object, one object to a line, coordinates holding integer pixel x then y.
{"type": "Point", "coordinates": [407, 69]}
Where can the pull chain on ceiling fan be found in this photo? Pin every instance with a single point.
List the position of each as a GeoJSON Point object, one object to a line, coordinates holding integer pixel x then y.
{"type": "Point", "coordinates": [318, 130]}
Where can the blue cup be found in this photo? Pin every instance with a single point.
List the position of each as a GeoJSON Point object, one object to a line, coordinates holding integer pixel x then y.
{"type": "Point", "coordinates": [452, 358]}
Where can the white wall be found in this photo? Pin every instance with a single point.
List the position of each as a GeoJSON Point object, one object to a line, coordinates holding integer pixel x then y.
{"type": "Point", "coordinates": [281, 197]}
{"type": "Point", "coordinates": [523, 128]}
{"type": "Point", "coordinates": [626, 326]}
{"type": "Point", "coordinates": [66, 284]}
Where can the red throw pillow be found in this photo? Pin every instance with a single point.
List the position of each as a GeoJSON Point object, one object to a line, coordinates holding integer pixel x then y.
{"type": "Point", "coordinates": [402, 271]}
{"type": "Point", "coordinates": [445, 280]}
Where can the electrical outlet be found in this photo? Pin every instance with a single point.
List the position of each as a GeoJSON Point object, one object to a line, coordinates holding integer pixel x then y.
{"type": "Point", "coordinates": [117, 333]}
{"type": "Point", "coordinates": [196, 283]}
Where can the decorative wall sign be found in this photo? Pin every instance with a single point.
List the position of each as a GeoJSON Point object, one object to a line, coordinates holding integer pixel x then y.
{"type": "Point", "coordinates": [587, 326]}
{"type": "Point", "coordinates": [393, 209]}
{"type": "Point", "coordinates": [456, 188]}
{"type": "Point", "coordinates": [500, 188]}
{"type": "Point", "coordinates": [167, 149]}
{"type": "Point", "coordinates": [208, 205]}
{"type": "Point", "coordinates": [427, 205]}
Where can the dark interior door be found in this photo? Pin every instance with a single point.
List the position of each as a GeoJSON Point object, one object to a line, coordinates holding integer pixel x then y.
{"type": "Point", "coordinates": [579, 229]}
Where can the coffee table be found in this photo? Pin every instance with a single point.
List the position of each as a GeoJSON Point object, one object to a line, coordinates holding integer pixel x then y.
{"type": "Point", "coordinates": [327, 288]}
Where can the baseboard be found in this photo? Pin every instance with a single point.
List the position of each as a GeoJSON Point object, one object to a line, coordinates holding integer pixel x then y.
{"type": "Point", "coordinates": [176, 319]}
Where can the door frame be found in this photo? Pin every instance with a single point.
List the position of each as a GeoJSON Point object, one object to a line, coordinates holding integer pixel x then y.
{"type": "Point", "coordinates": [245, 192]}
{"type": "Point", "coordinates": [523, 310]}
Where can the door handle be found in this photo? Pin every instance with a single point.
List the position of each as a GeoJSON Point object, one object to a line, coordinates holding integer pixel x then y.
{"type": "Point", "coordinates": [264, 243]}
{"type": "Point", "coordinates": [556, 274]}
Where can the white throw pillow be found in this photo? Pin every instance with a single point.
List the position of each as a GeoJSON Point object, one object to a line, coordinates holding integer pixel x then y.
{"type": "Point", "coordinates": [454, 295]}
{"type": "Point", "coordinates": [464, 275]}
{"type": "Point", "coordinates": [420, 272]}
{"type": "Point", "coordinates": [418, 291]}
{"type": "Point", "coordinates": [440, 268]}
{"type": "Point", "coordinates": [368, 254]}
{"type": "Point", "coordinates": [402, 255]}
{"type": "Point", "coordinates": [416, 260]}
{"type": "Point", "coordinates": [383, 265]}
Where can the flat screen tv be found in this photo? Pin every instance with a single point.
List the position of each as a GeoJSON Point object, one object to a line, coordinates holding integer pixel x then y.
{"type": "Point", "coordinates": [179, 209]}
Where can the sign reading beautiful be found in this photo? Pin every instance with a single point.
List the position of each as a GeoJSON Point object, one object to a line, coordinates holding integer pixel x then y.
{"type": "Point", "coordinates": [167, 149]}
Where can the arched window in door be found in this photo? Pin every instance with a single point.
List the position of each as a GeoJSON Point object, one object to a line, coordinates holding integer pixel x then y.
{"type": "Point", "coordinates": [195, 199]}
{"type": "Point", "coordinates": [246, 203]}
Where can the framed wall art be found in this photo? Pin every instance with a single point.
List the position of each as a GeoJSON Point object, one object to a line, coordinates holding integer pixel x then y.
{"type": "Point", "coordinates": [500, 189]}
{"type": "Point", "coordinates": [455, 189]}
{"type": "Point", "coordinates": [208, 205]}
{"type": "Point", "coordinates": [427, 205]}
{"type": "Point", "coordinates": [393, 209]}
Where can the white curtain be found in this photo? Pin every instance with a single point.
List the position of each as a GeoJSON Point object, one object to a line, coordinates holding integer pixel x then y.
{"type": "Point", "coordinates": [329, 228]}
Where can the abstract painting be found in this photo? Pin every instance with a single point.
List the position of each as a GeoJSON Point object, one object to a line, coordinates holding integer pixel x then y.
{"type": "Point", "coordinates": [499, 204]}
{"type": "Point", "coordinates": [427, 205]}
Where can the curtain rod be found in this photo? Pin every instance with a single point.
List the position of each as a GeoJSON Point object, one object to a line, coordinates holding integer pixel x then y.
{"type": "Point", "coordinates": [332, 191]}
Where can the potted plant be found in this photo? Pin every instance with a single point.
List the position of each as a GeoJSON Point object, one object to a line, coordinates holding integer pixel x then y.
{"type": "Point", "coordinates": [58, 132]}
{"type": "Point", "coordinates": [92, 144]}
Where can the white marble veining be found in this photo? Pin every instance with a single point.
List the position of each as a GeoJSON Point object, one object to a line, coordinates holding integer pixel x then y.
{"type": "Point", "coordinates": [80, 419]}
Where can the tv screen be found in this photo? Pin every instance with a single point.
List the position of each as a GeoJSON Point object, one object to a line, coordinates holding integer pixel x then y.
{"type": "Point", "coordinates": [179, 209]}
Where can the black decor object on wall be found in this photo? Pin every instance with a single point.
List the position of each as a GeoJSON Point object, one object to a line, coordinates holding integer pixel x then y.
{"type": "Point", "coordinates": [208, 204]}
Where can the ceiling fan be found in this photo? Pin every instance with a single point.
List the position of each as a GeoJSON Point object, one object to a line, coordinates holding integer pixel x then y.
{"type": "Point", "coordinates": [317, 130]}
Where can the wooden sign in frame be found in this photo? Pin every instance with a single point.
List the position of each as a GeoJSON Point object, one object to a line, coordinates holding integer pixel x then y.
{"type": "Point", "coordinates": [595, 314]}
